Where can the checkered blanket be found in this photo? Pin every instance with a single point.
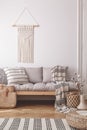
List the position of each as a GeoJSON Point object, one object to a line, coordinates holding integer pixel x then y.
{"type": "Point", "coordinates": [61, 91]}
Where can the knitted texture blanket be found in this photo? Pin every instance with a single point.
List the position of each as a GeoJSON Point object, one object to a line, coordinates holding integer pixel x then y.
{"type": "Point", "coordinates": [61, 91]}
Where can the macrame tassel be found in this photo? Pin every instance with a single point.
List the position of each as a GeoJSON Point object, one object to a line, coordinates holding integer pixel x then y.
{"type": "Point", "coordinates": [26, 44]}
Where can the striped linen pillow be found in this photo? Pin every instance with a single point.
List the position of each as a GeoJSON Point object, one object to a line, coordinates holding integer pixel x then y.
{"type": "Point", "coordinates": [16, 75]}
{"type": "Point", "coordinates": [59, 73]}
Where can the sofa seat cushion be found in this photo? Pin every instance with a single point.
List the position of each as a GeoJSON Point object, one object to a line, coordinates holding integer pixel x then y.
{"type": "Point", "coordinates": [35, 87]}
{"type": "Point", "coordinates": [26, 87]}
{"type": "Point", "coordinates": [44, 87]}
{"type": "Point", "coordinates": [39, 86]}
{"type": "Point", "coordinates": [51, 86]}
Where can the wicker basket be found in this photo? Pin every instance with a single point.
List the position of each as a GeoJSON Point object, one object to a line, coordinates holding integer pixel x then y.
{"type": "Point", "coordinates": [76, 120]}
{"type": "Point", "coordinates": [73, 99]}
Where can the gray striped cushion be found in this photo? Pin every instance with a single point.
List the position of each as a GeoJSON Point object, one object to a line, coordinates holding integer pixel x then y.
{"type": "Point", "coordinates": [16, 75]}
{"type": "Point", "coordinates": [59, 73]}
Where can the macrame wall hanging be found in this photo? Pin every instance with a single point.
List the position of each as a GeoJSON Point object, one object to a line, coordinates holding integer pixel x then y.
{"type": "Point", "coordinates": [26, 36]}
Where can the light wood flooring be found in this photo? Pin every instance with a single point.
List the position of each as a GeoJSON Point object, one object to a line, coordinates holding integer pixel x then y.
{"type": "Point", "coordinates": [32, 109]}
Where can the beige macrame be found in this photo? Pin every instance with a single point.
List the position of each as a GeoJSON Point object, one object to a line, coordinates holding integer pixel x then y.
{"type": "Point", "coordinates": [26, 36]}
{"type": "Point", "coordinates": [26, 44]}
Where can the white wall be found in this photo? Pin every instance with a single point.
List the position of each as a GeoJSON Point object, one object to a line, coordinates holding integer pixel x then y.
{"type": "Point", "coordinates": [84, 44]}
{"type": "Point", "coordinates": [55, 41]}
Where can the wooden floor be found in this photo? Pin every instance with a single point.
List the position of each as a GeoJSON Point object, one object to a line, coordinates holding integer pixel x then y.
{"type": "Point", "coordinates": [32, 109]}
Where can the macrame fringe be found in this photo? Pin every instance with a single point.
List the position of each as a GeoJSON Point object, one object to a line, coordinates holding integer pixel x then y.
{"type": "Point", "coordinates": [26, 44]}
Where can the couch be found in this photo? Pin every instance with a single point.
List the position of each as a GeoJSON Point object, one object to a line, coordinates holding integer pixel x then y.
{"type": "Point", "coordinates": [34, 80]}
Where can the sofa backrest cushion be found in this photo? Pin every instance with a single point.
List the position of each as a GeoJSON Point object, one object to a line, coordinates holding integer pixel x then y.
{"type": "Point", "coordinates": [59, 73]}
{"type": "Point", "coordinates": [3, 77]}
{"type": "Point", "coordinates": [35, 75]}
{"type": "Point", "coordinates": [16, 75]}
{"type": "Point", "coordinates": [47, 75]}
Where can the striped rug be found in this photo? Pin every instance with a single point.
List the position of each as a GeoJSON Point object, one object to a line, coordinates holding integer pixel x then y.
{"type": "Point", "coordinates": [34, 124]}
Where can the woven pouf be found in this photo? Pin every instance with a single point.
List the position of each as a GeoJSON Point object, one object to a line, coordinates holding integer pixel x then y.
{"type": "Point", "coordinates": [73, 99]}
{"type": "Point", "coordinates": [76, 120]}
